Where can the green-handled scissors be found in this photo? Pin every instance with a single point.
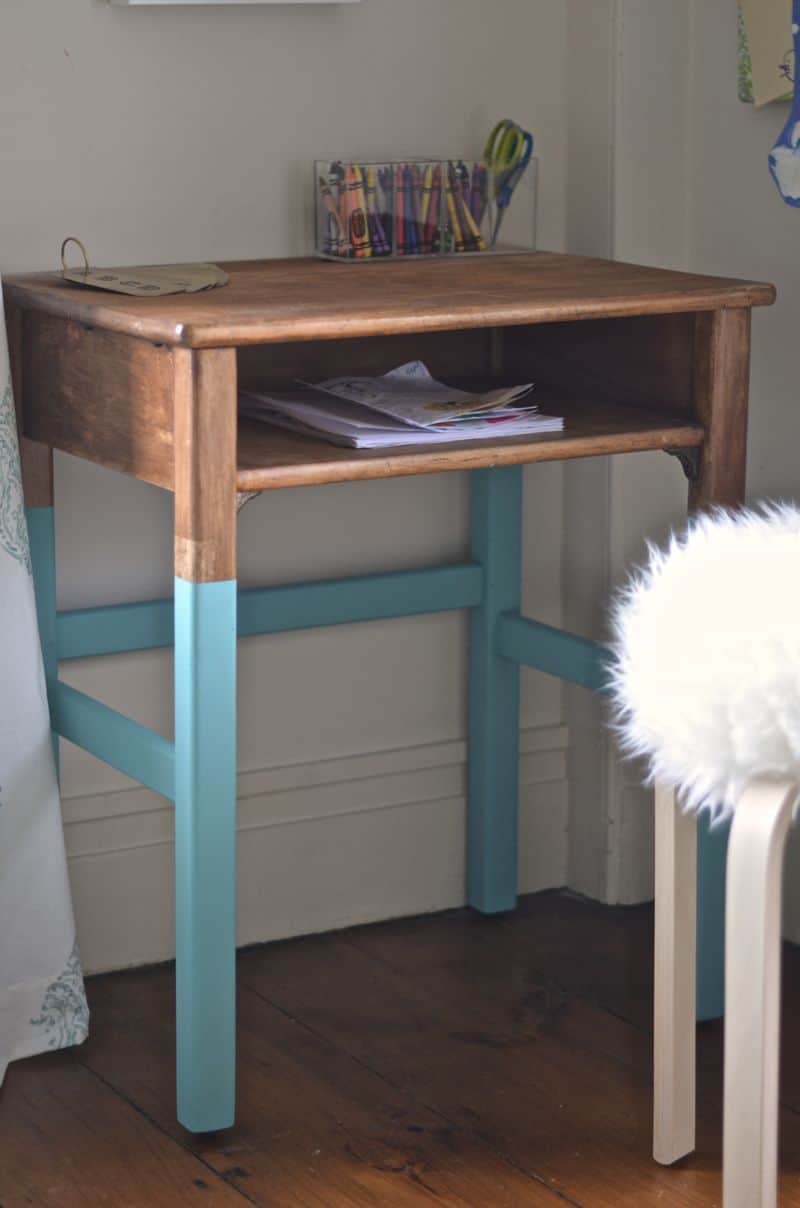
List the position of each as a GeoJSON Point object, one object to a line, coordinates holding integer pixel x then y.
{"type": "Point", "coordinates": [507, 154]}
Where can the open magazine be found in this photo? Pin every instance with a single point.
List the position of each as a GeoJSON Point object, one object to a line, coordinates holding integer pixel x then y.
{"type": "Point", "coordinates": [404, 407]}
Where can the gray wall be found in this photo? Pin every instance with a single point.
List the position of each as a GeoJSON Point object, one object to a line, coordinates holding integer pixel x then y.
{"type": "Point", "coordinates": [188, 133]}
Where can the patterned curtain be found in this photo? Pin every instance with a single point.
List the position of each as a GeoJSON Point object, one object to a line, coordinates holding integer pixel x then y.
{"type": "Point", "coordinates": [42, 1000]}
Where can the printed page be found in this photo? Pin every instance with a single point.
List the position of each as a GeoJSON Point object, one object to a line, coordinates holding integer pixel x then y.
{"type": "Point", "coordinates": [411, 395]}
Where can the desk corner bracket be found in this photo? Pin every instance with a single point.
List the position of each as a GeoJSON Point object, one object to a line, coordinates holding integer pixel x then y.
{"type": "Point", "coordinates": [690, 460]}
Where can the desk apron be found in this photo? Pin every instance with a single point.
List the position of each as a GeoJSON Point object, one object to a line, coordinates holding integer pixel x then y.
{"type": "Point", "coordinates": [42, 1001]}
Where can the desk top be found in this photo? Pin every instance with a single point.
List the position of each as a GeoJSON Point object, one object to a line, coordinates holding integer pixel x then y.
{"type": "Point", "coordinates": [275, 301]}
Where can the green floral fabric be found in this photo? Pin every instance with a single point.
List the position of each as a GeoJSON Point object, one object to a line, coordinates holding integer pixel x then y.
{"type": "Point", "coordinates": [13, 533]}
{"type": "Point", "coordinates": [42, 1001]}
{"type": "Point", "coordinates": [64, 1016]}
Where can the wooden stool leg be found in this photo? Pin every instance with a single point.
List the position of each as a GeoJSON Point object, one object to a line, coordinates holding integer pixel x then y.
{"type": "Point", "coordinates": [752, 992]}
{"type": "Point", "coordinates": [205, 737]}
{"type": "Point", "coordinates": [674, 1025]}
{"type": "Point", "coordinates": [494, 694]}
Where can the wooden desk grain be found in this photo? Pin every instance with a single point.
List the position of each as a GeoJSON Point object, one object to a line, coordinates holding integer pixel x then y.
{"type": "Point", "coordinates": [276, 301]}
{"type": "Point", "coordinates": [148, 386]}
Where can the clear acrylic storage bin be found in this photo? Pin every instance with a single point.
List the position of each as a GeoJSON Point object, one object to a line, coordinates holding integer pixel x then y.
{"type": "Point", "coordinates": [419, 207]}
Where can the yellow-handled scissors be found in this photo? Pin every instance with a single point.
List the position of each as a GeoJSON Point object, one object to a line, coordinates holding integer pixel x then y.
{"type": "Point", "coordinates": [507, 154]}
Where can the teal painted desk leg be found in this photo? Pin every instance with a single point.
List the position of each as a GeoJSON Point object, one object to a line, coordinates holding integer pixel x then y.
{"type": "Point", "coordinates": [205, 736]}
{"type": "Point", "coordinates": [494, 694]}
{"type": "Point", "coordinates": [205, 839]}
{"type": "Point", "coordinates": [41, 535]}
{"type": "Point", "coordinates": [712, 850]}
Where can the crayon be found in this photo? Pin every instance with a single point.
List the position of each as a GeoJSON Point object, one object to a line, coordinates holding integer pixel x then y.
{"type": "Point", "coordinates": [362, 201]}
{"type": "Point", "coordinates": [427, 185]}
{"type": "Point", "coordinates": [435, 210]}
{"type": "Point", "coordinates": [400, 245]}
{"type": "Point", "coordinates": [380, 244]}
{"type": "Point", "coordinates": [386, 208]}
{"type": "Point", "coordinates": [412, 244]}
{"type": "Point", "coordinates": [472, 238]}
{"type": "Point", "coordinates": [336, 241]}
{"type": "Point", "coordinates": [417, 180]}
{"type": "Point", "coordinates": [462, 176]}
{"type": "Point", "coordinates": [452, 209]}
{"type": "Point", "coordinates": [476, 193]}
{"type": "Point", "coordinates": [357, 214]}
{"type": "Point", "coordinates": [425, 201]}
{"type": "Point", "coordinates": [336, 177]}
{"type": "Point", "coordinates": [432, 192]}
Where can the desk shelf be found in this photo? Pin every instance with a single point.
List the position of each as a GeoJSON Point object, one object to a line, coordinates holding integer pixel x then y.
{"type": "Point", "coordinates": [271, 457]}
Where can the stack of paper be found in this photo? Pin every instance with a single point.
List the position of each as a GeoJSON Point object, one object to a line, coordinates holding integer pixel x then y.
{"type": "Point", "coordinates": [404, 407]}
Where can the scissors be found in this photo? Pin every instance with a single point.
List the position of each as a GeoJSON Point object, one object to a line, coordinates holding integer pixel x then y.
{"type": "Point", "coordinates": [507, 154]}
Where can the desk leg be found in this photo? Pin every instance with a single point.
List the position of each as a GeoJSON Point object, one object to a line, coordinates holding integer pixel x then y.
{"type": "Point", "coordinates": [205, 737]}
{"type": "Point", "coordinates": [712, 854]}
{"type": "Point", "coordinates": [494, 695]}
{"type": "Point", "coordinates": [41, 535]}
{"type": "Point", "coordinates": [36, 461]}
{"type": "Point", "coordinates": [722, 373]}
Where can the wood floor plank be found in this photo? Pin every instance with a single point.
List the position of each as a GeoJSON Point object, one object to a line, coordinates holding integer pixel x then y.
{"type": "Point", "coordinates": [68, 1141]}
{"type": "Point", "coordinates": [314, 1127]}
{"type": "Point", "coordinates": [561, 1087]}
{"type": "Point", "coordinates": [454, 1059]}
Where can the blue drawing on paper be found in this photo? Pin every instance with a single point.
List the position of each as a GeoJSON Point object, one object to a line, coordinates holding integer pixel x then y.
{"type": "Point", "coordinates": [784, 158]}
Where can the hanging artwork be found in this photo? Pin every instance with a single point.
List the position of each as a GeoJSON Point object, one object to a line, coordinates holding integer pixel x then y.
{"type": "Point", "coordinates": [784, 158]}
{"type": "Point", "coordinates": [766, 53]}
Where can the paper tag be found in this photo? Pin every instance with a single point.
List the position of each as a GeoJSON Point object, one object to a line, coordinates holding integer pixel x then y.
{"type": "Point", "coordinates": [150, 280]}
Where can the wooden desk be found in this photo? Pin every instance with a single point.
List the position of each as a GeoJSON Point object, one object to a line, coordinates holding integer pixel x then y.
{"type": "Point", "coordinates": [634, 358]}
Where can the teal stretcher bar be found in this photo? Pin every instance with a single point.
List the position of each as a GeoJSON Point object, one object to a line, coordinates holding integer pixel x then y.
{"type": "Point", "coordinates": [554, 651]}
{"type": "Point", "coordinates": [119, 628]}
{"type": "Point", "coordinates": [117, 740]}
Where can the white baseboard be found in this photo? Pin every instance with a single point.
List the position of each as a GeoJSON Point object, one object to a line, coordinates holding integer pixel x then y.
{"type": "Point", "coordinates": [321, 845]}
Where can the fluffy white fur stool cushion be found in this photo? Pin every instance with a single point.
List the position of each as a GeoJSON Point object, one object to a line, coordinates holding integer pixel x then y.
{"type": "Point", "coordinates": [707, 638]}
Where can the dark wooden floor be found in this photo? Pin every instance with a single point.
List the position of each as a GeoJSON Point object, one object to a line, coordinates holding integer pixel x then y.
{"type": "Point", "coordinates": [449, 1059]}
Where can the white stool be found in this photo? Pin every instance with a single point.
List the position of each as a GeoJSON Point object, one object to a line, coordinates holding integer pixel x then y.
{"type": "Point", "coordinates": [707, 689]}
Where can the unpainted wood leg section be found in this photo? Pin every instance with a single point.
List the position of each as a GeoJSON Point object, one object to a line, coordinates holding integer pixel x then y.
{"type": "Point", "coordinates": [674, 1024]}
{"type": "Point", "coordinates": [36, 461]}
{"type": "Point", "coordinates": [205, 737]}
{"type": "Point", "coordinates": [721, 385]}
{"type": "Point", "coordinates": [752, 987]}
{"type": "Point", "coordinates": [494, 694]}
